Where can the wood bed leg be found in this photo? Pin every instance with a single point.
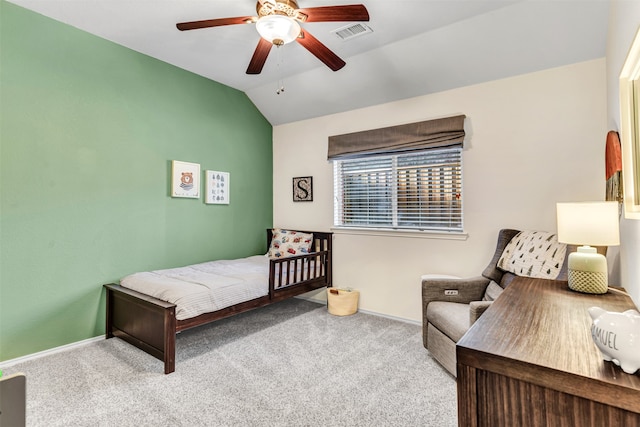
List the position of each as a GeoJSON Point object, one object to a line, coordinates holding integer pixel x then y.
{"type": "Point", "coordinates": [169, 341]}
{"type": "Point", "coordinates": [109, 319]}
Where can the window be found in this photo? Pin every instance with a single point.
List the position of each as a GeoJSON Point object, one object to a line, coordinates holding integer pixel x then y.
{"type": "Point", "coordinates": [407, 176]}
{"type": "Point", "coordinates": [419, 190]}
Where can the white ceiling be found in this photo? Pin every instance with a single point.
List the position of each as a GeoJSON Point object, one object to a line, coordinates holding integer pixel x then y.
{"type": "Point", "coordinates": [417, 46]}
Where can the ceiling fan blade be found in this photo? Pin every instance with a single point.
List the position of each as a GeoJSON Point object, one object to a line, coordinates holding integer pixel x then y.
{"type": "Point", "coordinates": [194, 25]}
{"type": "Point", "coordinates": [353, 12]}
{"type": "Point", "coordinates": [259, 56]}
{"type": "Point", "coordinates": [321, 52]}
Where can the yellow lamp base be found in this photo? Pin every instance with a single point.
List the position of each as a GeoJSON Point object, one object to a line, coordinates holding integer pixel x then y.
{"type": "Point", "coordinates": [588, 271]}
{"type": "Point", "coordinates": [588, 282]}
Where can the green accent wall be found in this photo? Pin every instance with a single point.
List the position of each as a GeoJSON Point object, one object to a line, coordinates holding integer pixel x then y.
{"type": "Point", "coordinates": [88, 130]}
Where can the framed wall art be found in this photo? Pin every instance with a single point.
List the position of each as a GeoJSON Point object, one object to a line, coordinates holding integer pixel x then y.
{"type": "Point", "coordinates": [303, 189]}
{"type": "Point", "coordinates": [185, 179]}
{"type": "Point", "coordinates": [217, 187]}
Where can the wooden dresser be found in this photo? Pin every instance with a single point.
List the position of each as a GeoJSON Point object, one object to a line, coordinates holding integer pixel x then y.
{"type": "Point", "coordinates": [530, 361]}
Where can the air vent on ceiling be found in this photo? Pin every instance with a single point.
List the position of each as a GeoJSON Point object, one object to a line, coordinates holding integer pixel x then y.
{"type": "Point", "coordinates": [352, 30]}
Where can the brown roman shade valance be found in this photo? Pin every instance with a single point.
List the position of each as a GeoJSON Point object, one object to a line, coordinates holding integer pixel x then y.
{"type": "Point", "coordinates": [445, 132]}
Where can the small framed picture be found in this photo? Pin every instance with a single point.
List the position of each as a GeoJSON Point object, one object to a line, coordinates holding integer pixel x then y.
{"type": "Point", "coordinates": [185, 179]}
{"type": "Point", "coordinates": [303, 189]}
{"type": "Point", "coordinates": [217, 188]}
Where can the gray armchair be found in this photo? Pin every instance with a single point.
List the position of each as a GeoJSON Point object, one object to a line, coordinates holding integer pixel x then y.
{"type": "Point", "coordinates": [451, 305]}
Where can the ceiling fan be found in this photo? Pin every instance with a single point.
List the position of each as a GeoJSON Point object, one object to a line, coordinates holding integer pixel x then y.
{"type": "Point", "coordinates": [278, 23]}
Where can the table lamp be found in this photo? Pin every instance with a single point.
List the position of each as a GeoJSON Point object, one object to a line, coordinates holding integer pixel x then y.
{"type": "Point", "coordinates": [588, 223]}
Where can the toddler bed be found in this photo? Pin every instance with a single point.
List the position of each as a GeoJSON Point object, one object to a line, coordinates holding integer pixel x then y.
{"type": "Point", "coordinates": [147, 309]}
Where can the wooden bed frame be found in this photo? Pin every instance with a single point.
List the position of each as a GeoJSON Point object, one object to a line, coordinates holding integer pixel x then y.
{"type": "Point", "coordinates": [151, 325]}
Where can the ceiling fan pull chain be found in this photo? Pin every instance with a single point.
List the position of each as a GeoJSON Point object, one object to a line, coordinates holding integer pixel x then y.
{"type": "Point", "coordinates": [280, 88]}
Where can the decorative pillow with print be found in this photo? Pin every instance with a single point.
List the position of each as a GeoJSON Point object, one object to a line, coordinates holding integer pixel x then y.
{"type": "Point", "coordinates": [287, 243]}
{"type": "Point", "coordinates": [533, 254]}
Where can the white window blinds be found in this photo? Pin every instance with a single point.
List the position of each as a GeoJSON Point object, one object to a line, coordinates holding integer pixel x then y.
{"type": "Point", "coordinates": [418, 190]}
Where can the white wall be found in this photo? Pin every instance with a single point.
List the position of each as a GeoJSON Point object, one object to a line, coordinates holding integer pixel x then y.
{"type": "Point", "coordinates": [624, 20]}
{"type": "Point", "coordinates": [532, 140]}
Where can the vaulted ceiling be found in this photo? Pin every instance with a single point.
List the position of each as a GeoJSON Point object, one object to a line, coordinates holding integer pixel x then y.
{"type": "Point", "coordinates": [416, 47]}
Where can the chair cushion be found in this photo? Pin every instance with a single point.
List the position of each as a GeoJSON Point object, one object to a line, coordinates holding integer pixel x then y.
{"type": "Point", "coordinates": [492, 291]}
{"type": "Point", "coordinates": [451, 318]}
{"type": "Point", "coordinates": [477, 309]}
{"type": "Point", "coordinates": [506, 280]}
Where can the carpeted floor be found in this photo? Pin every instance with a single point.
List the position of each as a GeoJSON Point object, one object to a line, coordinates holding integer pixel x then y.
{"type": "Point", "coordinates": [289, 364]}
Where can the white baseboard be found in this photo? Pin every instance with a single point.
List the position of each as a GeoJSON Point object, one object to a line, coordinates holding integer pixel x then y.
{"type": "Point", "coordinates": [388, 316]}
{"type": "Point", "coordinates": [7, 363]}
{"type": "Point", "coordinates": [373, 313]}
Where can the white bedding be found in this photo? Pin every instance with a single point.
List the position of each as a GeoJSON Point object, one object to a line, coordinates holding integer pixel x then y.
{"type": "Point", "coordinates": [206, 287]}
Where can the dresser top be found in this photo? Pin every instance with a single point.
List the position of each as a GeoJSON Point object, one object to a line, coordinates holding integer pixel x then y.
{"type": "Point", "coordinates": [540, 331]}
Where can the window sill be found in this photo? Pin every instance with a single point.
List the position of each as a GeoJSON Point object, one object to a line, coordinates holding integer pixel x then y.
{"type": "Point", "coordinates": [413, 234]}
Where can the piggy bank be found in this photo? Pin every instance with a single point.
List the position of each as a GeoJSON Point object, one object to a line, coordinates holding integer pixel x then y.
{"type": "Point", "coordinates": [617, 335]}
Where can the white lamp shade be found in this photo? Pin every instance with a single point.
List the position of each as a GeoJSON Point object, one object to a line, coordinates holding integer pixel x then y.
{"type": "Point", "coordinates": [588, 223]}
{"type": "Point", "coordinates": [278, 29]}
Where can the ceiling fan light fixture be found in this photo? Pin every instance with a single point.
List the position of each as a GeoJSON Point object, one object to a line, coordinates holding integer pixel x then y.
{"type": "Point", "coordinates": [278, 29]}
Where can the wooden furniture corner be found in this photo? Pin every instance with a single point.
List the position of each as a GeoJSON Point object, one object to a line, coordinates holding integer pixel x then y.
{"type": "Point", "coordinates": [530, 360]}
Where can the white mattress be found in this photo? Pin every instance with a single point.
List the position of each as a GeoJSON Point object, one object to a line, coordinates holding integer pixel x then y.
{"type": "Point", "coordinates": [206, 287]}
